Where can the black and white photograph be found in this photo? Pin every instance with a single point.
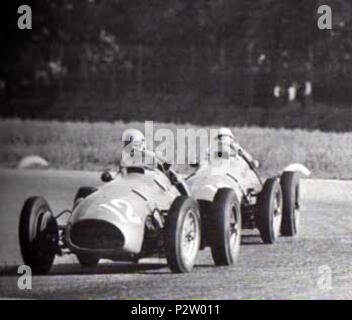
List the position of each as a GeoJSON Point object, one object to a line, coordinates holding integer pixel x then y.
{"type": "Point", "coordinates": [176, 150]}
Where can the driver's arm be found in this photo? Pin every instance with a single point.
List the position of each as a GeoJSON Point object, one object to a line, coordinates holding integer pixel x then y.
{"type": "Point", "coordinates": [246, 156]}
{"type": "Point", "coordinates": [163, 165]}
{"type": "Point", "coordinates": [242, 152]}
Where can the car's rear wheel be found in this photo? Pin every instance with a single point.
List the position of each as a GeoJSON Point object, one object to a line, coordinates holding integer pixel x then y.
{"type": "Point", "coordinates": [82, 193]}
{"type": "Point", "coordinates": [269, 211]}
{"type": "Point", "coordinates": [225, 231]}
{"type": "Point", "coordinates": [182, 234]}
{"type": "Point", "coordinates": [87, 260]}
{"type": "Point", "coordinates": [38, 235]}
{"type": "Point", "coordinates": [290, 214]}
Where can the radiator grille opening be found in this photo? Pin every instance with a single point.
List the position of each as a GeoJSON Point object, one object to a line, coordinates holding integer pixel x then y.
{"type": "Point", "coordinates": [96, 234]}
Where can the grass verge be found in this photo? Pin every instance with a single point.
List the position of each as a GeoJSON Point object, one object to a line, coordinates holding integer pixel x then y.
{"type": "Point", "coordinates": [93, 146]}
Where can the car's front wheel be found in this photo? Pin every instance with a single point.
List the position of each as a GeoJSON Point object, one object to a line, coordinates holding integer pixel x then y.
{"type": "Point", "coordinates": [269, 211]}
{"type": "Point", "coordinates": [182, 234]}
{"type": "Point", "coordinates": [38, 235]}
{"type": "Point", "coordinates": [225, 232]}
{"type": "Point", "coordinates": [291, 213]}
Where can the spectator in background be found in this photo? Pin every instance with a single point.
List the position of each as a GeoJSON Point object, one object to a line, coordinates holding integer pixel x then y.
{"type": "Point", "coordinates": [281, 94]}
{"type": "Point", "coordinates": [292, 92]}
{"type": "Point", "coordinates": [304, 93]}
{"type": "Point", "coordinates": [277, 92]}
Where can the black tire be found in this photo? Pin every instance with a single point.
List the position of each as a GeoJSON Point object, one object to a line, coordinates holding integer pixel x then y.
{"type": "Point", "coordinates": [87, 260]}
{"type": "Point", "coordinates": [290, 214]}
{"type": "Point", "coordinates": [269, 211]}
{"type": "Point", "coordinates": [82, 193]}
{"type": "Point", "coordinates": [181, 209]}
{"type": "Point", "coordinates": [225, 227]}
{"type": "Point", "coordinates": [38, 235]}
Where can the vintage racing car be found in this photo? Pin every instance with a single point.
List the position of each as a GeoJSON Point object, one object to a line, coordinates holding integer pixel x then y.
{"type": "Point", "coordinates": [138, 214]}
{"type": "Point", "coordinates": [232, 196]}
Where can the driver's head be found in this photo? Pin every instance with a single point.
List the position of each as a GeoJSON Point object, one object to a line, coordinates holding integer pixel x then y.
{"type": "Point", "coordinates": [224, 134]}
{"type": "Point", "coordinates": [223, 143]}
{"type": "Point", "coordinates": [134, 138]}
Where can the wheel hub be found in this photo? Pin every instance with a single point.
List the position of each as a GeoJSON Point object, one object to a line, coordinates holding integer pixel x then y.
{"type": "Point", "coordinates": [277, 213]}
{"type": "Point", "coordinates": [234, 231]}
{"type": "Point", "coordinates": [189, 237]}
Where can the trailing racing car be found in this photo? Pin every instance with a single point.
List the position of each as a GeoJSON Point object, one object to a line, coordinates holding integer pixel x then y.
{"type": "Point", "coordinates": [138, 214]}
{"type": "Point", "coordinates": [232, 196]}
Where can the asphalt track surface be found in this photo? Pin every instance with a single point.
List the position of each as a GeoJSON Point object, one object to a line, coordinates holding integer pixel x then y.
{"type": "Point", "coordinates": [315, 265]}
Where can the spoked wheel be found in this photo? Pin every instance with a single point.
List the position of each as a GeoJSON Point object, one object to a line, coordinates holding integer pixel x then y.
{"type": "Point", "coordinates": [225, 227]}
{"type": "Point", "coordinates": [269, 212]}
{"type": "Point", "coordinates": [291, 213]}
{"type": "Point", "coordinates": [38, 235]}
{"type": "Point", "coordinates": [182, 234]}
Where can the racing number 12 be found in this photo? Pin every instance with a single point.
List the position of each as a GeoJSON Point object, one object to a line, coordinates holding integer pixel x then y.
{"type": "Point", "coordinates": [123, 210]}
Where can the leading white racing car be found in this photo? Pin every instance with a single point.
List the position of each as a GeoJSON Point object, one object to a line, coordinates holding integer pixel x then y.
{"type": "Point", "coordinates": [138, 214]}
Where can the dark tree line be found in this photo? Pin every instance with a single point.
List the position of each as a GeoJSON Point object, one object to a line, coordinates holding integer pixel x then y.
{"type": "Point", "coordinates": [234, 50]}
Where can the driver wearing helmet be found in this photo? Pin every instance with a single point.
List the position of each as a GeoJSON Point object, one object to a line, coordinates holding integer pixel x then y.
{"type": "Point", "coordinates": [135, 155]}
{"type": "Point", "coordinates": [225, 142]}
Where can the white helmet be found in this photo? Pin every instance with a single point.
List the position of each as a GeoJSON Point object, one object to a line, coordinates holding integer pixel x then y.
{"type": "Point", "coordinates": [224, 132]}
{"type": "Point", "coordinates": [223, 142]}
{"type": "Point", "coordinates": [135, 137]}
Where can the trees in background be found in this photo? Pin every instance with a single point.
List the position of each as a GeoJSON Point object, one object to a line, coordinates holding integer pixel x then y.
{"type": "Point", "coordinates": [231, 49]}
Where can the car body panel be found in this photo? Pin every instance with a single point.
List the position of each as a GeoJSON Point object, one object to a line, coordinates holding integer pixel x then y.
{"type": "Point", "coordinates": [231, 173]}
{"type": "Point", "coordinates": [125, 203]}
